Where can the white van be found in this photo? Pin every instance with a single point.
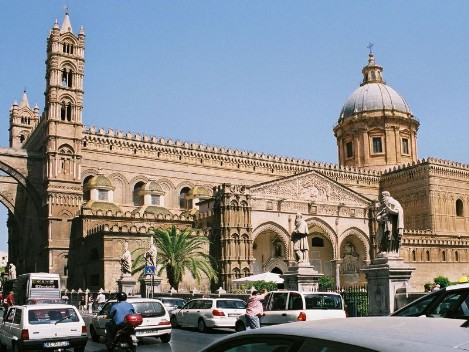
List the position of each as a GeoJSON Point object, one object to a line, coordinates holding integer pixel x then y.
{"type": "Point", "coordinates": [284, 306]}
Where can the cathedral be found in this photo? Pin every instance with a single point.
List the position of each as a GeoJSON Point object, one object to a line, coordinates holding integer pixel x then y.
{"type": "Point", "coordinates": [78, 195]}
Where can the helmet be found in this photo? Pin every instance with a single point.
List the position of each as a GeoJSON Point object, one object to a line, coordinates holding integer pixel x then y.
{"type": "Point", "coordinates": [121, 296]}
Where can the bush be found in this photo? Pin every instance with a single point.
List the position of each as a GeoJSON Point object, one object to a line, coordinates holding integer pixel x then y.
{"type": "Point", "coordinates": [442, 281]}
{"type": "Point", "coordinates": [326, 283]}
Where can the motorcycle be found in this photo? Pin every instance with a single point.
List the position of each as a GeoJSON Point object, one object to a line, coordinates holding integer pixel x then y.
{"type": "Point", "coordinates": [125, 339]}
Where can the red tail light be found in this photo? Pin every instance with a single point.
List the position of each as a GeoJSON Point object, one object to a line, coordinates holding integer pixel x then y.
{"type": "Point", "coordinates": [301, 316]}
{"type": "Point", "coordinates": [218, 313]}
{"type": "Point", "coordinates": [164, 322]}
{"type": "Point", "coordinates": [24, 334]}
{"type": "Point", "coordinates": [83, 329]}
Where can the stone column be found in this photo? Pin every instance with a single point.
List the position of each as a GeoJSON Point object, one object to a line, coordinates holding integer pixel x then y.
{"type": "Point", "coordinates": [386, 276]}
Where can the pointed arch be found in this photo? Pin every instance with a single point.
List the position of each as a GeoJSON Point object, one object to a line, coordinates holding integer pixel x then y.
{"type": "Point", "coordinates": [361, 236]}
{"type": "Point", "coordinates": [327, 231]}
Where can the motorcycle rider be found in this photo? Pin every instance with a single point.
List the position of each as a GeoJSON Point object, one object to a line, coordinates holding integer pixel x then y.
{"type": "Point", "coordinates": [116, 314]}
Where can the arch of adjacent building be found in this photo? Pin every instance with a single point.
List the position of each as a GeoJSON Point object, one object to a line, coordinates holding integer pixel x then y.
{"type": "Point", "coordinates": [23, 182]}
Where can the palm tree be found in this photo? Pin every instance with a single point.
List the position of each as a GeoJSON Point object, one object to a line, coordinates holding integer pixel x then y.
{"type": "Point", "coordinates": [178, 251]}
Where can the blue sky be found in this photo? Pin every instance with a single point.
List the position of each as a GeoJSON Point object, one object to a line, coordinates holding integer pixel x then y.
{"type": "Point", "coordinates": [268, 76]}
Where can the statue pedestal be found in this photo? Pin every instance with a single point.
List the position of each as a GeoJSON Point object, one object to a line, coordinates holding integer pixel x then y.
{"type": "Point", "coordinates": [301, 277]}
{"type": "Point", "coordinates": [386, 276]}
{"type": "Point", "coordinates": [149, 285]}
{"type": "Point", "coordinates": [126, 284]}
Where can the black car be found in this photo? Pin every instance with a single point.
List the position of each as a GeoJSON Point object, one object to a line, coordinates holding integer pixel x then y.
{"type": "Point", "coordinates": [449, 302]}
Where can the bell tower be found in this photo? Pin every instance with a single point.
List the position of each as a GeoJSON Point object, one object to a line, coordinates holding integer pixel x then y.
{"type": "Point", "coordinates": [63, 136]}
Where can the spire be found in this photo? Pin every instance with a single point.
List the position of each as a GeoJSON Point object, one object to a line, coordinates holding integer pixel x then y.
{"type": "Point", "coordinates": [66, 25]}
{"type": "Point", "coordinates": [372, 71]}
{"type": "Point", "coordinates": [24, 100]}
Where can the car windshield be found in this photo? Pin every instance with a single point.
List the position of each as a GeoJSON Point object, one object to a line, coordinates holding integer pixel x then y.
{"type": "Point", "coordinates": [444, 304]}
{"type": "Point", "coordinates": [233, 304]}
{"type": "Point", "coordinates": [323, 301]}
{"type": "Point", "coordinates": [149, 309]}
{"type": "Point", "coordinates": [173, 302]}
{"type": "Point", "coordinates": [54, 315]}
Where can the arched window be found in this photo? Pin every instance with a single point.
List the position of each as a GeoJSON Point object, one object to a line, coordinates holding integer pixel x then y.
{"type": "Point", "coordinates": [137, 197]}
{"type": "Point", "coordinates": [317, 242]}
{"type": "Point", "coordinates": [443, 256]}
{"type": "Point", "coordinates": [67, 77]}
{"type": "Point", "coordinates": [414, 257]}
{"type": "Point", "coordinates": [184, 201]}
{"type": "Point", "coordinates": [456, 256]}
{"type": "Point", "coordinates": [459, 208]}
{"type": "Point", "coordinates": [86, 194]}
{"type": "Point", "coordinates": [66, 112]}
{"type": "Point", "coordinates": [427, 255]}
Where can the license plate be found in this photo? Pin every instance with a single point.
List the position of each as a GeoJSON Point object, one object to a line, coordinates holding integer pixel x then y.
{"type": "Point", "coordinates": [234, 315]}
{"type": "Point", "coordinates": [56, 344]}
{"type": "Point", "coordinates": [141, 332]}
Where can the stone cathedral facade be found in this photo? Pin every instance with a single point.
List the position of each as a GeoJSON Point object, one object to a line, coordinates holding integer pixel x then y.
{"type": "Point", "coordinates": [76, 194]}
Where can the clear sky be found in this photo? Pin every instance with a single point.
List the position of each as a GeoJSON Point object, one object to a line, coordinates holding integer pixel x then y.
{"type": "Point", "coordinates": [268, 76]}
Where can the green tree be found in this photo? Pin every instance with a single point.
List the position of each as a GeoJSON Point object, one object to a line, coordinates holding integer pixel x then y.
{"type": "Point", "coordinates": [178, 251]}
{"type": "Point", "coordinates": [326, 283]}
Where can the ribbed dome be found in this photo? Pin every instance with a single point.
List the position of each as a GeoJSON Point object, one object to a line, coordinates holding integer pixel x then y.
{"type": "Point", "coordinates": [374, 96]}
{"type": "Point", "coordinates": [99, 181]}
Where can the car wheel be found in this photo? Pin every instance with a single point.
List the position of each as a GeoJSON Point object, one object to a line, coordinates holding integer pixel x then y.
{"type": "Point", "coordinates": [165, 338]}
{"type": "Point", "coordinates": [94, 334]}
{"type": "Point", "coordinates": [240, 326]}
{"type": "Point", "coordinates": [201, 327]}
{"type": "Point", "coordinates": [174, 321]}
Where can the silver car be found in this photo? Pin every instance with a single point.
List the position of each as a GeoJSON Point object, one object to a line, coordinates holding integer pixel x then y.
{"type": "Point", "coordinates": [367, 334]}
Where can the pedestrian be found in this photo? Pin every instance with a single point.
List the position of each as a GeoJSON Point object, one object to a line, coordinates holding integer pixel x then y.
{"type": "Point", "coordinates": [82, 303]}
{"type": "Point", "coordinates": [8, 301]}
{"type": "Point", "coordinates": [254, 309]}
{"type": "Point", "coordinates": [90, 304]}
{"type": "Point", "coordinates": [101, 299]}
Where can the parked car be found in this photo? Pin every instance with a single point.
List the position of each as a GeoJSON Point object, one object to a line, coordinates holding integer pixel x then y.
{"type": "Point", "coordinates": [366, 334]}
{"type": "Point", "coordinates": [156, 321]}
{"type": "Point", "coordinates": [204, 313]}
{"type": "Point", "coordinates": [172, 303]}
{"type": "Point", "coordinates": [43, 327]}
{"type": "Point", "coordinates": [290, 306]}
{"type": "Point", "coordinates": [449, 302]}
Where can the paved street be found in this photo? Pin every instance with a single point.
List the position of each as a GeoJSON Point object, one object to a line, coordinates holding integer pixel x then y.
{"type": "Point", "coordinates": [183, 340]}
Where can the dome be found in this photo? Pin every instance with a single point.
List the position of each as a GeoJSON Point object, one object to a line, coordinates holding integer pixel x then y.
{"type": "Point", "coordinates": [99, 181]}
{"type": "Point", "coordinates": [373, 94]}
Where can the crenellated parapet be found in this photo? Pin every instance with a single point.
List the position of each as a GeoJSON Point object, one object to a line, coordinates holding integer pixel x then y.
{"type": "Point", "coordinates": [117, 215]}
{"type": "Point", "coordinates": [111, 227]}
{"type": "Point", "coordinates": [137, 144]}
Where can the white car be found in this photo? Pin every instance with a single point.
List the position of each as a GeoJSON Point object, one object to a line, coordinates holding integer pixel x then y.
{"type": "Point", "coordinates": [366, 334]}
{"type": "Point", "coordinates": [156, 321]}
{"type": "Point", "coordinates": [172, 303]}
{"type": "Point", "coordinates": [204, 313]}
{"type": "Point", "coordinates": [43, 327]}
{"type": "Point", "coordinates": [290, 306]}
